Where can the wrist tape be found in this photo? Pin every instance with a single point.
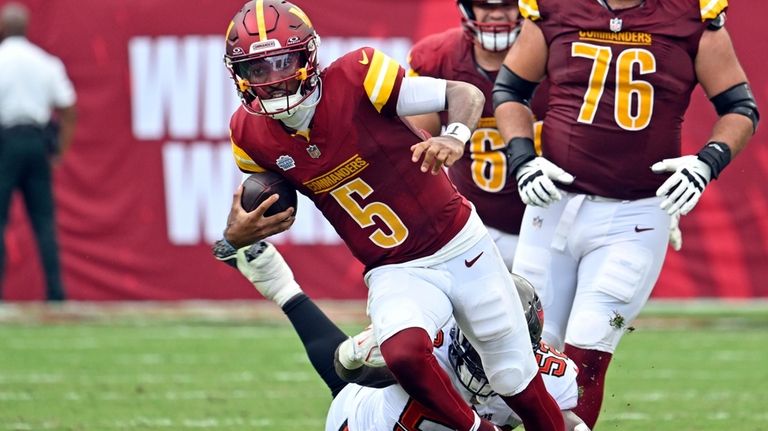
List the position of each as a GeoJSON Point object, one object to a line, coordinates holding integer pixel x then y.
{"type": "Point", "coordinates": [458, 131]}
{"type": "Point", "coordinates": [716, 155]}
{"type": "Point", "coordinates": [519, 151]}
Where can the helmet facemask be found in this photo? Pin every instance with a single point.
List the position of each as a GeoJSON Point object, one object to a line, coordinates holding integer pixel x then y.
{"type": "Point", "coordinates": [466, 363]}
{"type": "Point", "coordinates": [493, 36]}
{"type": "Point", "coordinates": [276, 83]}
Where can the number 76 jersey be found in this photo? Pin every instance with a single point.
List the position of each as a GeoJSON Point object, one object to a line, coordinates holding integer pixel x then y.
{"type": "Point", "coordinates": [621, 82]}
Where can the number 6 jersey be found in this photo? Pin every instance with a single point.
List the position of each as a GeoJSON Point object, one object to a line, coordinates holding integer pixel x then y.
{"type": "Point", "coordinates": [620, 84]}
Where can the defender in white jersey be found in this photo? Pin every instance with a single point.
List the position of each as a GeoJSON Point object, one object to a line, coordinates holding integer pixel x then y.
{"type": "Point", "coordinates": [387, 406]}
{"type": "Point", "coordinates": [359, 408]}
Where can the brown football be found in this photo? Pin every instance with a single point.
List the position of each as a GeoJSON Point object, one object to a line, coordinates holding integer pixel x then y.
{"type": "Point", "coordinates": [258, 187]}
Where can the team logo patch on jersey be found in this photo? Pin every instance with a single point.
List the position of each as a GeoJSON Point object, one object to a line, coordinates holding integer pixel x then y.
{"type": "Point", "coordinates": [615, 25]}
{"type": "Point", "coordinates": [313, 151]}
{"type": "Point", "coordinates": [285, 162]}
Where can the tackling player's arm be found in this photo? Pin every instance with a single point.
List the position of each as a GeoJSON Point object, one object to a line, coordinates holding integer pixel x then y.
{"type": "Point", "coordinates": [374, 377]}
{"type": "Point", "coordinates": [358, 360]}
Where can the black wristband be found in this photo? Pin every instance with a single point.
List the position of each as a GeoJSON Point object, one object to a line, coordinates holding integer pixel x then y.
{"type": "Point", "coordinates": [716, 155]}
{"type": "Point", "coordinates": [519, 151]}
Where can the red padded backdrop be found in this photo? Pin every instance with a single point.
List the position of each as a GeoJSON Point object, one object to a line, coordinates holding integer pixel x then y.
{"type": "Point", "coordinates": [147, 184]}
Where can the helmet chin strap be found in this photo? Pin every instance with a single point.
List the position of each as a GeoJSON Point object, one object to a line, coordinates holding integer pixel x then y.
{"type": "Point", "coordinates": [299, 117]}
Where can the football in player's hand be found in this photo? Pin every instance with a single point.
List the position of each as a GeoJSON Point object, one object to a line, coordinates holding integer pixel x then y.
{"type": "Point", "coordinates": [258, 187]}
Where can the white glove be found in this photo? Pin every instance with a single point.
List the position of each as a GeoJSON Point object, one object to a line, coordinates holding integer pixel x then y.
{"type": "Point", "coordinates": [684, 188]}
{"type": "Point", "coordinates": [362, 349]}
{"type": "Point", "coordinates": [675, 235]}
{"type": "Point", "coordinates": [534, 182]}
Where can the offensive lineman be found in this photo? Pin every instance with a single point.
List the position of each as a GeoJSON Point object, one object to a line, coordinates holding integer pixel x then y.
{"type": "Point", "coordinates": [621, 73]}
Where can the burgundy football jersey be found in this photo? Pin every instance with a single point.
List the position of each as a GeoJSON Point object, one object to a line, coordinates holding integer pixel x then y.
{"type": "Point", "coordinates": [481, 174]}
{"type": "Point", "coordinates": [355, 164]}
{"type": "Point", "coordinates": [620, 84]}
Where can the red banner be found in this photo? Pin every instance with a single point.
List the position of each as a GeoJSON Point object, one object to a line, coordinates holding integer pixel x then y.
{"type": "Point", "coordinates": [148, 182]}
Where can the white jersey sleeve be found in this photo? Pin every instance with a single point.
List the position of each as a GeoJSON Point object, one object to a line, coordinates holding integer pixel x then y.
{"type": "Point", "coordinates": [559, 375]}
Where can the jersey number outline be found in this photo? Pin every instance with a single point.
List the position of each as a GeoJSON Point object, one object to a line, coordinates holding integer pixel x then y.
{"type": "Point", "coordinates": [627, 88]}
{"type": "Point", "coordinates": [415, 415]}
{"type": "Point", "coordinates": [489, 167]}
{"type": "Point", "coordinates": [551, 362]}
{"type": "Point", "coordinates": [364, 216]}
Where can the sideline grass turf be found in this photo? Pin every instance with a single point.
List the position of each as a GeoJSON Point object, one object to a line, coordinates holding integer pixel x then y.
{"type": "Point", "coordinates": [675, 372]}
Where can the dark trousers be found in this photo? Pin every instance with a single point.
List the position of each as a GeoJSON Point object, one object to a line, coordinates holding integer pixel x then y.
{"type": "Point", "coordinates": [24, 165]}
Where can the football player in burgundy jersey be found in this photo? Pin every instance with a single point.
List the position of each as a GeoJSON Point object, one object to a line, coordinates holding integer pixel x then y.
{"type": "Point", "coordinates": [621, 73]}
{"type": "Point", "coordinates": [473, 53]}
{"type": "Point", "coordinates": [337, 136]}
{"type": "Point", "coordinates": [382, 405]}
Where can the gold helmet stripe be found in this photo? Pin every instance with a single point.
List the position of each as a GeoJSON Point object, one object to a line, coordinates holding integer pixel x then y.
{"type": "Point", "coordinates": [259, 8]}
{"type": "Point", "coordinates": [302, 16]}
{"type": "Point", "coordinates": [226, 35]}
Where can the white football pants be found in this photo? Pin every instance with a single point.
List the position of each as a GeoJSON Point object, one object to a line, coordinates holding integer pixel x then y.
{"type": "Point", "coordinates": [593, 261]}
{"type": "Point", "coordinates": [467, 278]}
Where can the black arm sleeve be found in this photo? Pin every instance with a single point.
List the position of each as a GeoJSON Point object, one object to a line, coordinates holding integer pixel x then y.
{"type": "Point", "coordinates": [509, 87]}
{"type": "Point", "coordinates": [373, 377]}
{"type": "Point", "coordinates": [738, 100]}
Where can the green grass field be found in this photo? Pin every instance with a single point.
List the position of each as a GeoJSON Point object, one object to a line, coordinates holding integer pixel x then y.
{"type": "Point", "coordinates": [703, 370]}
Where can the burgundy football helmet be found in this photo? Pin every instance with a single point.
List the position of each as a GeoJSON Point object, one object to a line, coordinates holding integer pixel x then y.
{"type": "Point", "coordinates": [272, 57]}
{"type": "Point", "coordinates": [492, 36]}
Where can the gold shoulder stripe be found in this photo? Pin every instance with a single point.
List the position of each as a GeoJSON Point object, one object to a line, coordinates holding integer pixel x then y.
{"type": "Point", "coordinates": [243, 160]}
{"type": "Point", "coordinates": [710, 9]}
{"type": "Point", "coordinates": [529, 9]}
{"type": "Point", "coordinates": [380, 79]}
